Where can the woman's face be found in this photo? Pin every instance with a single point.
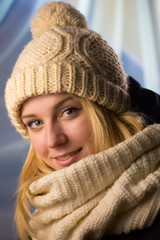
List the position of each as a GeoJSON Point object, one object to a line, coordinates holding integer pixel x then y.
{"type": "Point", "coordinates": [59, 129]}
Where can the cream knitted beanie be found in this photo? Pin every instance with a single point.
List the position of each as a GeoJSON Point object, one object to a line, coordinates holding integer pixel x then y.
{"type": "Point", "coordinates": [65, 56]}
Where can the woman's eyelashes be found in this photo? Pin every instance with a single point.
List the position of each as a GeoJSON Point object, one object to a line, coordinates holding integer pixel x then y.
{"type": "Point", "coordinates": [34, 124]}
{"type": "Point", "coordinates": [69, 112]}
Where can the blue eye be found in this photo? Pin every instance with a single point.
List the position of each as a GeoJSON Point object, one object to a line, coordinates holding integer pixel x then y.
{"type": "Point", "coordinates": [34, 123]}
{"type": "Point", "coordinates": [69, 111]}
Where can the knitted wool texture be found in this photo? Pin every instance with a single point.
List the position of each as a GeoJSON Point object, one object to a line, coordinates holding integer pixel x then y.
{"type": "Point", "coordinates": [65, 56]}
{"type": "Point", "coordinates": [111, 192]}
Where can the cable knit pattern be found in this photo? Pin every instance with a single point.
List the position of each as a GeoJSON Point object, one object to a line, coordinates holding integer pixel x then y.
{"type": "Point", "coordinates": [111, 192]}
{"type": "Point", "coordinates": [66, 58]}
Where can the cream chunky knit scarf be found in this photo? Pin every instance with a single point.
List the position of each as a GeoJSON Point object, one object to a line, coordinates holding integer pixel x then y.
{"type": "Point", "coordinates": [111, 192]}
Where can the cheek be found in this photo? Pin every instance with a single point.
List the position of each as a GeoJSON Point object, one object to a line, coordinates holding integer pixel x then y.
{"type": "Point", "coordinates": [81, 129]}
{"type": "Point", "coordinates": [85, 130]}
{"type": "Point", "coordinates": [38, 143]}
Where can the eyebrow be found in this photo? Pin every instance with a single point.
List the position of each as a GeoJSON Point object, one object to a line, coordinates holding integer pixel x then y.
{"type": "Point", "coordinates": [56, 106]}
{"type": "Point", "coordinates": [29, 116]}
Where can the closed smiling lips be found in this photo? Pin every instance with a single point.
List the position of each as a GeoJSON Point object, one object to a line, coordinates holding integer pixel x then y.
{"type": "Point", "coordinates": [67, 159]}
{"type": "Point", "coordinates": [66, 156]}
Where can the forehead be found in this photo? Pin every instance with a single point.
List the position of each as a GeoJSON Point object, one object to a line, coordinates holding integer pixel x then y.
{"type": "Point", "coordinates": [43, 101]}
{"type": "Point", "coordinates": [54, 97]}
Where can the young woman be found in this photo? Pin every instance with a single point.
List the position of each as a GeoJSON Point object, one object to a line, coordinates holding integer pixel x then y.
{"type": "Point", "coordinates": [92, 171]}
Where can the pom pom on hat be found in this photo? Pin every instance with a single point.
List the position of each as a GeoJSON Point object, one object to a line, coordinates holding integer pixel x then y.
{"type": "Point", "coordinates": [56, 13]}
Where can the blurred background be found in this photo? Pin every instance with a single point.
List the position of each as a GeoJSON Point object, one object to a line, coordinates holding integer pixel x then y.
{"type": "Point", "coordinates": [132, 28]}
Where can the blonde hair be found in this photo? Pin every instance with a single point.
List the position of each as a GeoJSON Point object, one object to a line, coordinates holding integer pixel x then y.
{"type": "Point", "coordinates": [109, 129]}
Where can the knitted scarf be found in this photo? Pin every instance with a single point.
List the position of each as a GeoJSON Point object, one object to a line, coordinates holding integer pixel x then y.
{"type": "Point", "coordinates": [111, 192]}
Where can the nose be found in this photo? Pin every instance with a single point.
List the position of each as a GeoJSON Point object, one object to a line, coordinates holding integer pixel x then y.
{"type": "Point", "coordinates": [55, 136]}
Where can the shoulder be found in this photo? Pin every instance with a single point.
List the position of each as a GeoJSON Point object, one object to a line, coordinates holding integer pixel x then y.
{"type": "Point", "coordinates": [152, 232]}
{"type": "Point", "coordinates": [144, 101]}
